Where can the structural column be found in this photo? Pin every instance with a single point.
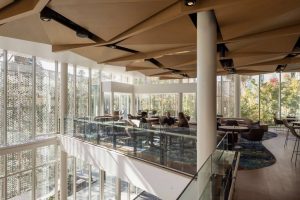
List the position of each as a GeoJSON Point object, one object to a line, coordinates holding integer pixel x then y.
{"type": "Point", "coordinates": [180, 101]}
{"type": "Point", "coordinates": [206, 85]}
{"type": "Point", "coordinates": [132, 104]}
{"type": "Point", "coordinates": [112, 102]}
{"type": "Point", "coordinates": [101, 99]}
{"type": "Point", "coordinates": [237, 95]}
{"type": "Point", "coordinates": [63, 111]}
{"type": "Point", "coordinates": [118, 189]}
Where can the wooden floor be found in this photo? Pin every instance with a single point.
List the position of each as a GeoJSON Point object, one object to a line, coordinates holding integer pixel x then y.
{"type": "Point", "coordinates": [280, 181]}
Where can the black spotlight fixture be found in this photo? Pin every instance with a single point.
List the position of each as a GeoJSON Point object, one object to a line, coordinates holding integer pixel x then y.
{"type": "Point", "coordinates": [280, 68]}
{"type": "Point", "coordinates": [189, 2]}
{"type": "Point", "coordinates": [45, 15]}
{"type": "Point", "coordinates": [222, 49]}
{"type": "Point", "coordinates": [82, 33]}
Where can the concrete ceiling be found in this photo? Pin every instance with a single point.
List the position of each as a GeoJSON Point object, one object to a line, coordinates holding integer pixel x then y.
{"type": "Point", "coordinates": [158, 37]}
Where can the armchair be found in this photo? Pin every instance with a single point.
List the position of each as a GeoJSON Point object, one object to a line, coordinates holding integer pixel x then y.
{"type": "Point", "coordinates": [254, 135]}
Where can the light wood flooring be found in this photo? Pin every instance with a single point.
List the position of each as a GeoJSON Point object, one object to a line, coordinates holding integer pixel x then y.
{"type": "Point", "coordinates": [280, 181]}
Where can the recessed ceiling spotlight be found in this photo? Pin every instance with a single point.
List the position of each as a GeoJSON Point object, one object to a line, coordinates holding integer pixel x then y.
{"type": "Point", "coordinates": [113, 46]}
{"type": "Point", "coordinates": [189, 2]}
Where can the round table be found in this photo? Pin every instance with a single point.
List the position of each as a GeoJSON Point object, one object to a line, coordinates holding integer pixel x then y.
{"type": "Point", "coordinates": [233, 129]}
{"type": "Point", "coordinates": [291, 119]}
{"type": "Point", "coordinates": [296, 123]}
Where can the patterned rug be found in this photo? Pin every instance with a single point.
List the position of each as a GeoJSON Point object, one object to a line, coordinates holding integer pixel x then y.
{"type": "Point", "coordinates": [269, 135]}
{"type": "Point", "coordinates": [256, 155]}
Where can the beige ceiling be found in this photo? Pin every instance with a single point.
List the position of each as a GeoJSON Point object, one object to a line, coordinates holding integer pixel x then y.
{"type": "Point", "coordinates": [158, 37]}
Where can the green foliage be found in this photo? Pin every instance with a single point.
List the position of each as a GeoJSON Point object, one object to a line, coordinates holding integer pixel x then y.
{"type": "Point", "coordinates": [269, 97]}
{"type": "Point", "coordinates": [249, 99]}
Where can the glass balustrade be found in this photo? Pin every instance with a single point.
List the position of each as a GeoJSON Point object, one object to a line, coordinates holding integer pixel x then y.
{"type": "Point", "coordinates": [214, 179]}
{"type": "Point", "coordinates": [172, 147]}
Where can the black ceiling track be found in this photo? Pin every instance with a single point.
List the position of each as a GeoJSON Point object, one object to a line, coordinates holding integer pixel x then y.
{"type": "Point", "coordinates": [48, 13]}
{"type": "Point", "coordinates": [161, 66]}
{"type": "Point", "coordinates": [155, 62]}
{"type": "Point", "coordinates": [115, 46]}
{"type": "Point", "coordinates": [281, 68]}
{"type": "Point", "coordinates": [53, 15]}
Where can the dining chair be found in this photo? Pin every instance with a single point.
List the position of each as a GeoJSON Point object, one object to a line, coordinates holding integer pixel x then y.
{"type": "Point", "coordinates": [296, 150]}
{"type": "Point", "coordinates": [287, 137]}
{"type": "Point", "coordinates": [277, 123]}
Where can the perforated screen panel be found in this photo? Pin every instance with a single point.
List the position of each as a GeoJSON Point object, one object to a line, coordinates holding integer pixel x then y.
{"type": "Point", "coordinates": [2, 137]}
{"type": "Point", "coordinates": [19, 98]}
{"type": "Point", "coordinates": [45, 97]}
{"type": "Point", "coordinates": [82, 91]}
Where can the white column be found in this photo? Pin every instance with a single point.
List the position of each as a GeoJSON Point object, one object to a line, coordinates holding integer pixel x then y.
{"type": "Point", "coordinates": [132, 104]}
{"type": "Point", "coordinates": [237, 94]}
{"type": "Point", "coordinates": [63, 111]}
{"type": "Point", "coordinates": [34, 97]}
{"type": "Point", "coordinates": [111, 103]}
{"type": "Point", "coordinates": [101, 184]}
{"type": "Point", "coordinates": [101, 99]}
{"type": "Point", "coordinates": [118, 189]}
{"type": "Point", "coordinates": [206, 85]}
{"type": "Point", "coordinates": [180, 101]}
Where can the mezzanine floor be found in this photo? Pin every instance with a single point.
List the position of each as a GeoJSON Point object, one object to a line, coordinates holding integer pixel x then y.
{"type": "Point", "coordinates": [277, 182]}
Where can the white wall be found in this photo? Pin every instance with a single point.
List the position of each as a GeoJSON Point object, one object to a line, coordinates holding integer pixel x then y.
{"type": "Point", "coordinates": [155, 180]}
{"type": "Point", "coordinates": [117, 87]}
{"type": "Point", "coordinates": [166, 88]}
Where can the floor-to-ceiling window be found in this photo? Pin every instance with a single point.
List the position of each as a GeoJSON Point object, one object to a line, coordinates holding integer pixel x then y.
{"type": "Point", "coordinates": [95, 92]}
{"type": "Point", "coordinates": [228, 95]}
{"type": "Point", "coordinates": [269, 97]}
{"type": "Point", "coordinates": [143, 102]}
{"type": "Point", "coordinates": [290, 94]}
{"type": "Point", "coordinates": [158, 103]}
{"type": "Point", "coordinates": [122, 102]}
{"type": "Point", "coordinates": [188, 105]}
{"type": "Point", "coordinates": [106, 102]}
{"type": "Point", "coordinates": [219, 95]}
{"type": "Point", "coordinates": [250, 97]}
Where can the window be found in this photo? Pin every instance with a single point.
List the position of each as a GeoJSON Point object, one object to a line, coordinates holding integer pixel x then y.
{"type": "Point", "coordinates": [188, 105]}
{"type": "Point", "coordinates": [290, 94]}
{"type": "Point", "coordinates": [269, 97]}
{"type": "Point", "coordinates": [250, 97]}
{"type": "Point", "coordinates": [228, 95]}
{"type": "Point", "coordinates": [95, 92]}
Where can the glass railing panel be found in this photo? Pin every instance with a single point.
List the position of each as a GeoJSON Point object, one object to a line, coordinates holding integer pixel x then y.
{"type": "Point", "coordinates": [199, 183]}
{"type": "Point", "coordinates": [168, 146]}
{"type": "Point", "coordinates": [213, 180]}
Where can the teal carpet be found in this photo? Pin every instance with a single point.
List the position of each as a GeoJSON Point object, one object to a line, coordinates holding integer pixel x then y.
{"type": "Point", "coordinates": [256, 155]}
